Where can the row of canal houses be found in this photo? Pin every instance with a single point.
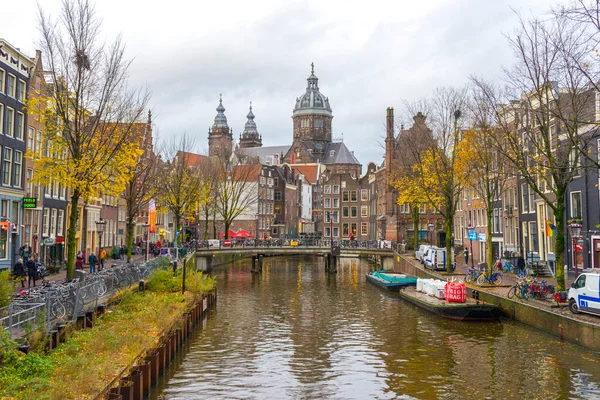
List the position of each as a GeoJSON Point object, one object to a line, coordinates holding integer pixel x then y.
{"type": "Point", "coordinates": [34, 215]}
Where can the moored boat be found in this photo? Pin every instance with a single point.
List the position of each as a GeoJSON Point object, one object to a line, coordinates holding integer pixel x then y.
{"type": "Point", "coordinates": [470, 310]}
{"type": "Point", "coordinates": [390, 280]}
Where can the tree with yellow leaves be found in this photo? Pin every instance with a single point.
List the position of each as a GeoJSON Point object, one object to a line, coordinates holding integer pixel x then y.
{"type": "Point", "coordinates": [89, 143]}
{"type": "Point", "coordinates": [434, 174]}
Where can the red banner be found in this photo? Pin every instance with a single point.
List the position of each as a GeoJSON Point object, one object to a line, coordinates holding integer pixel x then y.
{"type": "Point", "coordinates": [152, 216]}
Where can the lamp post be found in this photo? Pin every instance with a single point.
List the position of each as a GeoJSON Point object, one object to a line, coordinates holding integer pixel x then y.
{"type": "Point", "coordinates": [471, 231]}
{"type": "Point", "coordinates": [575, 232]}
{"type": "Point", "coordinates": [146, 228]}
{"type": "Point", "coordinates": [100, 229]}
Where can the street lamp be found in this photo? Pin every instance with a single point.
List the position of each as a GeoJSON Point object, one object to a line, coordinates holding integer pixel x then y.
{"type": "Point", "coordinates": [146, 228]}
{"type": "Point", "coordinates": [471, 233]}
{"type": "Point", "coordinates": [100, 229]}
{"type": "Point", "coordinates": [575, 232]}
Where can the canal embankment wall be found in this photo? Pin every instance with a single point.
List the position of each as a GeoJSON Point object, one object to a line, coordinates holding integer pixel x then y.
{"type": "Point", "coordinates": [544, 318]}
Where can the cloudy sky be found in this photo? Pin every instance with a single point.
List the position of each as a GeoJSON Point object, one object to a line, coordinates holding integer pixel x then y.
{"type": "Point", "coordinates": [368, 56]}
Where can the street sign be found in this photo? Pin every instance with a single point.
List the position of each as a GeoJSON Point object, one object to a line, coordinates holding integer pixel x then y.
{"type": "Point", "coordinates": [482, 237]}
{"type": "Point", "coordinates": [49, 241]}
{"type": "Point", "coordinates": [472, 235]}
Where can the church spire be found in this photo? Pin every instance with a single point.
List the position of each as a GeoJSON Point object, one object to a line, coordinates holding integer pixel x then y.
{"type": "Point", "coordinates": [220, 118]}
{"type": "Point", "coordinates": [250, 136]}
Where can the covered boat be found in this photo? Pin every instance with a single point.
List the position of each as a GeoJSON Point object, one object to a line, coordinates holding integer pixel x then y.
{"type": "Point", "coordinates": [390, 280]}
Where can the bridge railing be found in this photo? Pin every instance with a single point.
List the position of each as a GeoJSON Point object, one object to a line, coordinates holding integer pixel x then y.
{"type": "Point", "coordinates": [291, 243]}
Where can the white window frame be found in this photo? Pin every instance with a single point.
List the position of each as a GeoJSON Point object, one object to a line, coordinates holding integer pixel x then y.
{"type": "Point", "coordinates": [2, 80]}
{"type": "Point", "coordinates": [571, 202]}
{"type": "Point", "coordinates": [53, 221]}
{"type": "Point", "coordinates": [14, 88]}
{"type": "Point", "coordinates": [46, 221]}
{"type": "Point", "coordinates": [1, 118]}
{"type": "Point", "coordinates": [364, 195]}
{"type": "Point", "coordinates": [18, 168]}
{"type": "Point", "coordinates": [7, 161]}
{"type": "Point", "coordinates": [364, 211]}
{"type": "Point", "coordinates": [336, 203]}
{"type": "Point", "coordinates": [10, 131]}
{"type": "Point", "coordinates": [19, 132]}
{"type": "Point", "coordinates": [21, 95]}
{"type": "Point", "coordinates": [327, 189]}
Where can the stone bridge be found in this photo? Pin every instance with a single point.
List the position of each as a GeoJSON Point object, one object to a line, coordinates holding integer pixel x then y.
{"type": "Point", "coordinates": [205, 257]}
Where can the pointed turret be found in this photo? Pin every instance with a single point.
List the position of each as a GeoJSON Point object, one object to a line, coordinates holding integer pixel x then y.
{"type": "Point", "coordinates": [220, 136]}
{"type": "Point", "coordinates": [250, 136]}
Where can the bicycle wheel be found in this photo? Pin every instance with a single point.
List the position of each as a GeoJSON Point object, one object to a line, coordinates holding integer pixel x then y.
{"type": "Point", "coordinates": [527, 293]}
{"type": "Point", "coordinates": [497, 279]}
{"type": "Point", "coordinates": [512, 292]}
{"type": "Point", "coordinates": [57, 309]}
{"type": "Point", "coordinates": [469, 278]}
{"type": "Point", "coordinates": [481, 279]}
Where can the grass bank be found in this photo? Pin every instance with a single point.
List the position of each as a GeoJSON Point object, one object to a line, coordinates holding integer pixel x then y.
{"type": "Point", "coordinates": [90, 359]}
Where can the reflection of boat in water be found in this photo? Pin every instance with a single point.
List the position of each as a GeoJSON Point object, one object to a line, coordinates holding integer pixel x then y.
{"type": "Point", "coordinates": [470, 310]}
{"type": "Point", "coordinates": [390, 280]}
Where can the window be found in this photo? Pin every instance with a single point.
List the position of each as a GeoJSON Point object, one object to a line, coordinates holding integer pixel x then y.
{"type": "Point", "coordinates": [18, 168]}
{"type": "Point", "coordinates": [353, 228]}
{"type": "Point", "coordinates": [318, 123]}
{"type": "Point", "coordinates": [46, 221]}
{"type": "Point", "coordinates": [353, 212]}
{"type": "Point", "coordinates": [21, 90]}
{"type": "Point", "coordinates": [353, 195]}
{"type": "Point", "coordinates": [345, 213]}
{"type": "Point", "coordinates": [327, 231]}
{"type": "Point", "coordinates": [19, 126]}
{"type": "Point", "coordinates": [327, 202]}
{"type": "Point", "coordinates": [345, 230]}
{"type": "Point", "coordinates": [345, 195]}
{"type": "Point", "coordinates": [1, 118]}
{"type": "Point", "coordinates": [11, 85]}
{"type": "Point", "coordinates": [277, 195]}
{"type": "Point", "coordinates": [364, 195]}
{"type": "Point", "coordinates": [10, 121]}
{"type": "Point", "coordinates": [336, 189]}
{"type": "Point", "coordinates": [38, 142]}
{"type": "Point", "coordinates": [29, 177]}
{"type": "Point", "coordinates": [305, 123]}
{"type": "Point", "coordinates": [364, 211]}
{"type": "Point", "coordinates": [31, 139]}
{"type": "Point", "coordinates": [336, 232]}
{"type": "Point", "coordinates": [364, 230]}
{"type": "Point", "coordinates": [275, 181]}
{"type": "Point", "coordinates": [336, 203]}
{"type": "Point", "coordinates": [525, 198]}
{"type": "Point", "coordinates": [53, 225]}
{"type": "Point", "coordinates": [327, 189]}
{"type": "Point", "coordinates": [6, 166]}
{"type": "Point", "coordinates": [2, 75]}
{"type": "Point", "coordinates": [575, 204]}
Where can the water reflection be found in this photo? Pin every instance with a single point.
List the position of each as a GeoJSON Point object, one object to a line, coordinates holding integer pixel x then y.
{"type": "Point", "coordinates": [296, 332]}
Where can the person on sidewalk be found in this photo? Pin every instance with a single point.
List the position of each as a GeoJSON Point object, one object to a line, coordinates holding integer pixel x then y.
{"type": "Point", "coordinates": [102, 258]}
{"type": "Point", "coordinates": [19, 272]}
{"type": "Point", "coordinates": [93, 262]}
{"type": "Point", "coordinates": [466, 256]}
{"type": "Point", "coordinates": [79, 261]}
{"type": "Point", "coordinates": [31, 272]}
{"type": "Point", "coordinates": [520, 267]}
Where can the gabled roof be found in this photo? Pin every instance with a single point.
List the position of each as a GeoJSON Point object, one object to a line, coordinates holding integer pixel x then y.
{"type": "Point", "coordinates": [246, 173]}
{"type": "Point", "coordinates": [310, 171]}
{"type": "Point", "coordinates": [192, 159]}
{"type": "Point", "coordinates": [341, 155]}
{"type": "Point", "coordinates": [267, 154]}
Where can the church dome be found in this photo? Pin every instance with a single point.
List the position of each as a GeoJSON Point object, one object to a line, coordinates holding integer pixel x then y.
{"type": "Point", "coordinates": [312, 102]}
{"type": "Point", "coordinates": [220, 118]}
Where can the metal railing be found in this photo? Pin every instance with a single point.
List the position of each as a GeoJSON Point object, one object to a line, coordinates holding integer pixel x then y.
{"type": "Point", "coordinates": [305, 243]}
{"type": "Point", "coordinates": [46, 306]}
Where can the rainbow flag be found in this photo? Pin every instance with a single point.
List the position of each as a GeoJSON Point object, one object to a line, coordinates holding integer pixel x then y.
{"type": "Point", "coordinates": [550, 229]}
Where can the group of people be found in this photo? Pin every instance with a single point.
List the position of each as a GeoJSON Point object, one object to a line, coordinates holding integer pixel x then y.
{"type": "Point", "coordinates": [26, 266]}
{"type": "Point", "coordinates": [92, 259]}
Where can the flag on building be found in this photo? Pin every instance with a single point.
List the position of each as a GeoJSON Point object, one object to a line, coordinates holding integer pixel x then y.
{"type": "Point", "coordinates": [550, 229]}
{"type": "Point", "coordinates": [152, 216]}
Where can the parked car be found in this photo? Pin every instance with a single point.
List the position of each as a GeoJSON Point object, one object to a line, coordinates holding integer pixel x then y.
{"type": "Point", "coordinates": [584, 295]}
{"type": "Point", "coordinates": [420, 252]}
{"type": "Point", "coordinates": [435, 258]}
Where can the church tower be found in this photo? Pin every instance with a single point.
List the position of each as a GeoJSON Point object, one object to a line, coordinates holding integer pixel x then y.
{"type": "Point", "coordinates": [250, 137]}
{"type": "Point", "coordinates": [220, 136]}
{"type": "Point", "coordinates": [312, 124]}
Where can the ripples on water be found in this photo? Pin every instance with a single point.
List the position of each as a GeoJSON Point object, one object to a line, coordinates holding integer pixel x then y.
{"type": "Point", "coordinates": [296, 333]}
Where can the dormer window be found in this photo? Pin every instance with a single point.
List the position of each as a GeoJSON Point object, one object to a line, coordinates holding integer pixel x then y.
{"type": "Point", "coordinates": [331, 153]}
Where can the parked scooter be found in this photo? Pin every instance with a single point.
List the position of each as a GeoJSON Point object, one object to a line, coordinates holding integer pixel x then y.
{"type": "Point", "coordinates": [42, 271]}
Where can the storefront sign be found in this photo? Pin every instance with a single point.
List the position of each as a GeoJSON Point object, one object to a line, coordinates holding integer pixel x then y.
{"type": "Point", "coordinates": [29, 202]}
{"type": "Point", "coordinates": [49, 241]}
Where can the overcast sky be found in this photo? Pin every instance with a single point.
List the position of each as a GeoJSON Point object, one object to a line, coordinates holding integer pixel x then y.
{"type": "Point", "coordinates": [368, 55]}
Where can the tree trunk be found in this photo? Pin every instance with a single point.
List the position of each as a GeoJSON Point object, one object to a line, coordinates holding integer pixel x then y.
{"type": "Point", "coordinates": [206, 214]}
{"type": "Point", "coordinates": [226, 229]}
{"type": "Point", "coordinates": [129, 237]}
{"type": "Point", "coordinates": [490, 256]}
{"type": "Point", "coordinates": [559, 217]}
{"type": "Point", "coordinates": [71, 234]}
{"type": "Point", "coordinates": [449, 258]}
{"type": "Point", "coordinates": [415, 216]}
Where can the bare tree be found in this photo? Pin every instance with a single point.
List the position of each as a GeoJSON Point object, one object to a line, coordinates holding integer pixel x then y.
{"type": "Point", "coordinates": [89, 122]}
{"type": "Point", "coordinates": [179, 185]}
{"type": "Point", "coordinates": [237, 186]}
{"type": "Point", "coordinates": [540, 114]}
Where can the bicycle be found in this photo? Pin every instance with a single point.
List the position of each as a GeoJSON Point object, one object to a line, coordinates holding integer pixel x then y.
{"type": "Point", "coordinates": [517, 289]}
{"type": "Point", "coordinates": [494, 279]}
{"type": "Point", "coordinates": [539, 290]}
{"type": "Point", "coordinates": [472, 275]}
{"type": "Point", "coordinates": [507, 267]}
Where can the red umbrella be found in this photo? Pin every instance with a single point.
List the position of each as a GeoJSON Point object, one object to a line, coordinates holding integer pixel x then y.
{"type": "Point", "coordinates": [243, 234]}
{"type": "Point", "coordinates": [231, 234]}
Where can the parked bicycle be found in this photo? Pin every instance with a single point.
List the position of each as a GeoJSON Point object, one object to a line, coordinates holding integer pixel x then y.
{"type": "Point", "coordinates": [472, 275]}
{"type": "Point", "coordinates": [494, 279]}
{"type": "Point", "coordinates": [538, 289]}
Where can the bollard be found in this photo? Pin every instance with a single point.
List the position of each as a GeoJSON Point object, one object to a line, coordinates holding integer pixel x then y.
{"type": "Point", "coordinates": [126, 388]}
{"type": "Point", "coordinates": [89, 319]}
{"type": "Point", "coordinates": [54, 339]}
{"type": "Point", "coordinates": [162, 352]}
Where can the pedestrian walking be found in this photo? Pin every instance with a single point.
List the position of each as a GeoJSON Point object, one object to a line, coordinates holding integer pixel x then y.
{"type": "Point", "coordinates": [31, 272]}
{"type": "Point", "coordinates": [466, 256]}
{"type": "Point", "coordinates": [122, 253]}
{"type": "Point", "coordinates": [25, 252]}
{"type": "Point", "coordinates": [93, 262]}
{"type": "Point", "coordinates": [79, 261]}
{"type": "Point", "coordinates": [19, 272]}
{"type": "Point", "coordinates": [520, 266]}
{"type": "Point", "coordinates": [102, 258]}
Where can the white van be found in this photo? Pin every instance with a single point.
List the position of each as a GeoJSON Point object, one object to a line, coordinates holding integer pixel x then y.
{"type": "Point", "coordinates": [584, 294]}
{"type": "Point", "coordinates": [435, 258]}
{"type": "Point", "coordinates": [420, 253]}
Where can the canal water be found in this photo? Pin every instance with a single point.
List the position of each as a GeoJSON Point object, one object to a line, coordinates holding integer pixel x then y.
{"type": "Point", "coordinates": [295, 332]}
